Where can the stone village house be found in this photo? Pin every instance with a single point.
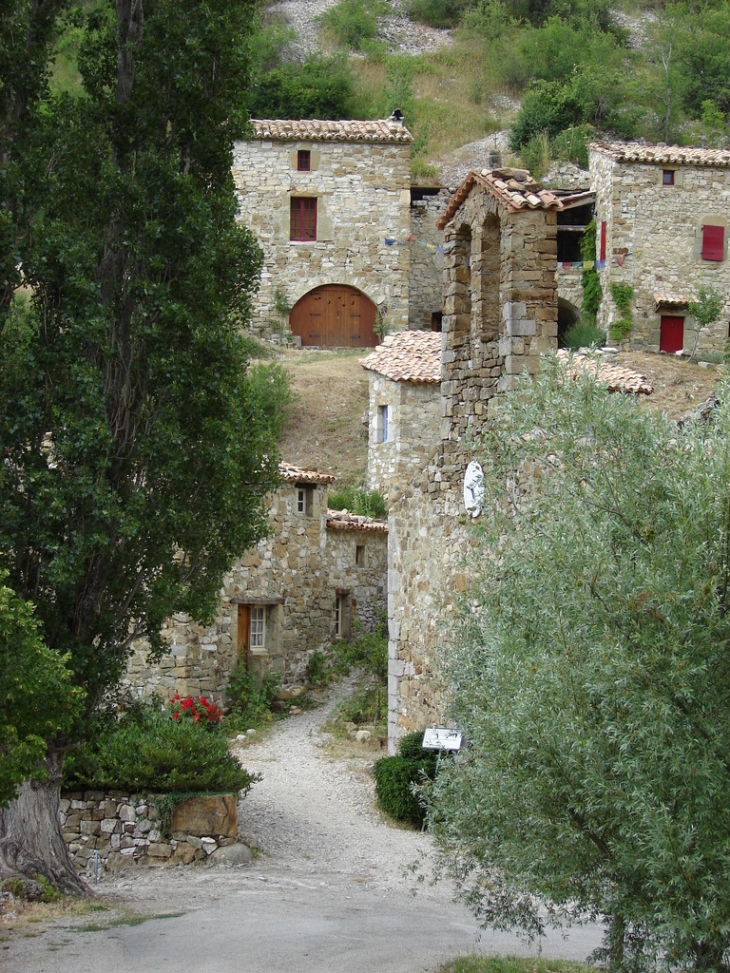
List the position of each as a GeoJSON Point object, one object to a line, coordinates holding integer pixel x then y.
{"type": "Point", "coordinates": [318, 575]}
{"type": "Point", "coordinates": [662, 216]}
{"type": "Point", "coordinates": [430, 392]}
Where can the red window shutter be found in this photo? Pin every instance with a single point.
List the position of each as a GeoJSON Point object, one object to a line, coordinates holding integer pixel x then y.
{"type": "Point", "coordinates": [602, 251]}
{"type": "Point", "coordinates": [713, 242]}
{"type": "Point", "coordinates": [303, 225]}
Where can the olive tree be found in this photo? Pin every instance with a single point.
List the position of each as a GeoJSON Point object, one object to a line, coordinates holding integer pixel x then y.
{"type": "Point", "coordinates": [590, 674]}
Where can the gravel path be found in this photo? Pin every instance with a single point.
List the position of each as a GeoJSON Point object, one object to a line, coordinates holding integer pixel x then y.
{"type": "Point", "coordinates": [313, 814]}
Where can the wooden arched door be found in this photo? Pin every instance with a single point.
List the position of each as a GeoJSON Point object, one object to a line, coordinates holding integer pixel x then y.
{"type": "Point", "coordinates": [334, 316]}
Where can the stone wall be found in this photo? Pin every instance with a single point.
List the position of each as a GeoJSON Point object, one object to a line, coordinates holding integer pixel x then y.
{"type": "Point", "coordinates": [115, 830]}
{"type": "Point", "coordinates": [427, 260]}
{"type": "Point", "coordinates": [295, 575]}
{"type": "Point", "coordinates": [500, 315]}
{"type": "Point", "coordinates": [654, 241]}
{"type": "Point", "coordinates": [363, 197]}
{"type": "Point", "coordinates": [414, 416]}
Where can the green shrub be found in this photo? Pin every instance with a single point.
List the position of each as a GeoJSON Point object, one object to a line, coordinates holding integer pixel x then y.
{"type": "Point", "coordinates": [321, 87]}
{"type": "Point", "coordinates": [438, 13]}
{"type": "Point", "coordinates": [584, 334]}
{"type": "Point", "coordinates": [549, 106]}
{"type": "Point", "coordinates": [354, 22]}
{"type": "Point", "coordinates": [410, 746]}
{"type": "Point", "coordinates": [622, 295]}
{"type": "Point", "coordinates": [360, 502]}
{"type": "Point", "coordinates": [250, 697]}
{"type": "Point", "coordinates": [395, 778]}
{"type": "Point", "coordinates": [147, 751]}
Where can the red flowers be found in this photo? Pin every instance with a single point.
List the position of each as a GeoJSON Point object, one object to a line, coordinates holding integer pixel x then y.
{"type": "Point", "coordinates": [195, 708]}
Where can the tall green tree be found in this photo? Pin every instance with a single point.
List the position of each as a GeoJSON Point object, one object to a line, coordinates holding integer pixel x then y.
{"type": "Point", "coordinates": [136, 449]}
{"type": "Point", "coordinates": [590, 675]}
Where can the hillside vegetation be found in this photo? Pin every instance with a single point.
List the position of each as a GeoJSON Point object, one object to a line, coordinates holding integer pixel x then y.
{"type": "Point", "coordinates": [556, 72]}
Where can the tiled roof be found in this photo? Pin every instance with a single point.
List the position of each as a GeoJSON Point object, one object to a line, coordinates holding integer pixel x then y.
{"type": "Point", "coordinates": [344, 520]}
{"type": "Point", "coordinates": [313, 130]}
{"type": "Point", "coordinates": [514, 187]}
{"type": "Point", "coordinates": [679, 155]}
{"type": "Point", "coordinates": [407, 356]}
{"type": "Point", "coordinates": [671, 299]}
{"type": "Point", "coordinates": [293, 474]}
{"type": "Point", "coordinates": [616, 377]}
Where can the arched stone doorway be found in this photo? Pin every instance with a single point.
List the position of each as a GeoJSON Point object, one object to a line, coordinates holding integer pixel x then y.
{"type": "Point", "coordinates": [334, 316]}
{"type": "Point", "coordinates": [568, 315]}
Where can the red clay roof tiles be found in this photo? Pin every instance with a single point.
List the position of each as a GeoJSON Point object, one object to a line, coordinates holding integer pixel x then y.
{"type": "Point", "coordinates": [407, 356]}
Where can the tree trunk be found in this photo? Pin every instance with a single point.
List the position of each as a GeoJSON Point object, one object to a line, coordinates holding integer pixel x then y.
{"type": "Point", "coordinates": [31, 842]}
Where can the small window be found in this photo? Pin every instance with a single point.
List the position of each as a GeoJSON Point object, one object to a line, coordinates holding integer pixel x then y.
{"type": "Point", "coordinates": [360, 555]}
{"type": "Point", "coordinates": [303, 225]}
{"type": "Point", "coordinates": [382, 424]}
{"type": "Point", "coordinates": [305, 500]}
{"type": "Point", "coordinates": [304, 160]}
{"type": "Point", "coordinates": [258, 628]}
{"type": "Point", "coordinates": [713, 242]}
{"type": "Point", "coordinates": [667, 177]}
{"type": "Point", "coordinates": [342, 616]}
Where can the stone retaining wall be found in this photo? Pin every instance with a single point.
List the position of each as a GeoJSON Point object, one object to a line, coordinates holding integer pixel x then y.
{"type": "Point", "coordinates": [125, 830]}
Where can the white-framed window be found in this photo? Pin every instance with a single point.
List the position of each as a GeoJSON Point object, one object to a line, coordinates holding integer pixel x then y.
{"type": "Point", "coordinates": [257, 634]}
{"type": "Point", "coordinates": [381, 424]}
{"type": "Point", "coordinates": [305, 499]}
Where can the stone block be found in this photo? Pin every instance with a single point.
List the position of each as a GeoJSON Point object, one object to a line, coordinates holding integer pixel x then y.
{"type": "Point", "coordinates": [159, 850]}
{"type": "Point", "coordinates": [201, 816]}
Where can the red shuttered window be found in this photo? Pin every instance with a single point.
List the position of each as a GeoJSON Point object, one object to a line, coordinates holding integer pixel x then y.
{"type": "Point", "coordinates": [713, 242]}
{"type": "Point", "coordinates": [303, 218]}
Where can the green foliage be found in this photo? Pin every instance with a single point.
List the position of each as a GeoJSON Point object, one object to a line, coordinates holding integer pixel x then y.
{"type": "Point", "coordinates": [39, 702]}
{"type": "Point", "coordinates": [320, 87]}
{"type": "Point", "coordinates": [589, 674]}
{"type": "Point", "coordinates": [584, 334]}
{"type": "Point", "coordinates": [249, 697]}
{"type": "Point", "coordinates": [137, 450]}
{"type": "Point", "coordinates": [147, 751]}
{"type": "Point", "coordinates": [592, 293]}
{"type": "Point", "coordinates": [571, 145]}
{"type": "Point", "coordinates": [397, 779]}
{"type": "Point", "coordinates": [512, 964]}
{"type": "Point", "coordinates": [368, 651]}
{"type": "Point", "coordinates": [622, 296]}
{"type": "Point", "coordinates": [438, 13]}
{"type": "Point", "coordinates": [354, 23]}
{"type": "Point", "coordinates": [364, 503]}
{"type": "Point", "coordinates": [708, 306]}
{"type": "Point", "coordinates": [548, 107]}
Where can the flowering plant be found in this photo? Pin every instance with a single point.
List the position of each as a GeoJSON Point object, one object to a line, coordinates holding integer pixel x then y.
{"type": "Point", "coordinates": [196, 709]}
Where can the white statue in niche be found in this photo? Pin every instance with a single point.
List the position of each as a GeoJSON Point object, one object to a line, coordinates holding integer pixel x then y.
{"type": "Point", "coordinates": [474, 489]}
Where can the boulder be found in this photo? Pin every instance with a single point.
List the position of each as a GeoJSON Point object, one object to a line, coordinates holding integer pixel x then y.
{"type": "Point", "coordinates": [201, 816]}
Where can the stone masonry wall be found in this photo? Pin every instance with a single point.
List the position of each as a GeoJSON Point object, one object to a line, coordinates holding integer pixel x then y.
{"type": "Point", "coordinates": [414, 417]}
{"type": "Point", "coordinates": [363, 197]}
{"type": "Point", "coordinates": [500, 315]}
{"type": "Point", "coordinates": [427, 262]}
{"type": "Point", "coordinates": [295, 573]}
{"type": "Point", "coordinates": [656, 231]}
{"type": "Point", "coordinates": [111, 831]}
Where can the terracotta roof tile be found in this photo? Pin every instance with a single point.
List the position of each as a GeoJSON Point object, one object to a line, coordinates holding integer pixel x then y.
{"type": "Point", "coordinates": [515, 188]}
{"type": "Point", "coordinates": [680, 155]}
{"type": "Point", "coordinates": [344, 520]}
{"type": "Point", "coordinates": [616, 377]}
{"type": "Point", "coordinates": [347, 130]}
{"type": "Point", "coordinates": [671, 299]}
{"type": "Point", "coordinates": [407, 356]}
{"type": "Point", "coordinates": [293, 474]}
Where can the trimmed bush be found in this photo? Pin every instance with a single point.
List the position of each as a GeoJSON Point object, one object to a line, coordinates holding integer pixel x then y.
{"type": "Point", "coordinates": [395, 778]}
{"type": "Point", "coordinates": [148, 751]}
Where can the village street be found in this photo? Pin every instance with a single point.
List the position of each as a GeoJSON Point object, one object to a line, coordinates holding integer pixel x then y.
{"type": "Point", "coordinates": [329, 889]}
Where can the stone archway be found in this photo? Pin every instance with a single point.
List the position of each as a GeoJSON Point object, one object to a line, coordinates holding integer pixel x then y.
{"type": "Point", "coordinates": [568, 315]}
{"type": "Point", "coordinates": [334, 316]}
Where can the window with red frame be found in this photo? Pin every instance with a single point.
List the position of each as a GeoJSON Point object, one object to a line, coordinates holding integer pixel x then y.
{"type": "Point", "coordinates": [303, 224]}
{"type": "Point", "coordinates": [713, 242]}
{"type": "Point", "coordinates": [304, 160]}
